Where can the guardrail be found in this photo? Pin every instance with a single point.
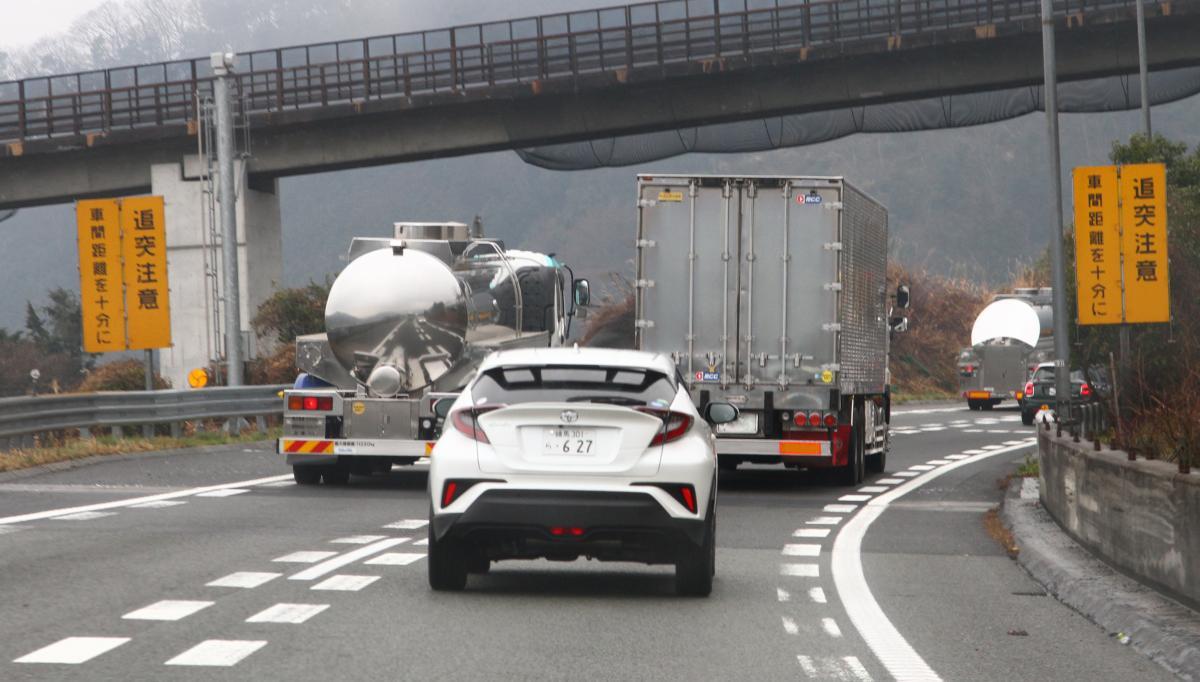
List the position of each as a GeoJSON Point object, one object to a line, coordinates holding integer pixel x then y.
{"type": "Point", "coordinates": [22, 418]}
{"type": "Point", "coordinates": [1087, 421]}
{"type": "Point", "coordinates": [483, 56]}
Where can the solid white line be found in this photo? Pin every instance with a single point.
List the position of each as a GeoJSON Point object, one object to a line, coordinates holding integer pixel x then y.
{"type": "Point", "coordinates": [840, 508]}
{"type": "Point", "coordinates": [789, 626]}
{"type": "Point", "coordinates": [889, 646]}
{"type": "Point", "coordinates": [287, 613]}
{"type": "Point", "coordinates": [218, 652]}
{"type": "Point", "coordinates": [345, 583]}
{"type": "Point", "coordinates": [224, 492]}
{"type": "Point", "coordinates": [872, 488]}
{"type": "Point", "coordinates": [801, 550]}
{"type": "Point", "coordinates": [244, 579]}
{"type": "Point", "coordinates": [825, 521]}
{"type": "Point", "coordinates": [168, 609]}
{"type": "Point", "coordinates": [304, 557]}
{"type": "Point", "coordinates": [84, 516]}
{"type": "Point", "coordinates": [358, 539]}
{"type": "Point", "coordinates": [158, 504]}
{"type": "Point", "coordinates": [395, 559]}
{"type": "Point", "coordinates": [782, 594]}
{"type": "Point", "coordinates": [408, 524]}
{"type": "Point", "coordinates": [854, 498]}
{"type": "Point", "coordinates": [817, 595]}
{"type": "Point", "coordinates": [800, 570]}
{"type": "Point", "coordinates": [314, 572]}
{"type": "Point", "coordinates": [73, 650]}
{"type": "Point", "coordinates": [830, 627]}
{"type": "Point", "coordinates": [810, 533]}
{"type": "Point", "coordinates": [36, 516]}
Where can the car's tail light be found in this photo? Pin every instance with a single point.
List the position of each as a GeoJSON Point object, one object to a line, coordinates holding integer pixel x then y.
{"type": "Point", "coordinates": [1028, 388]}
{"type": "Point", "coordinates": [449, 493]}
{"type": "Point", "coordinates": [689, 497]}
{"type": "Point", "coordinates": [831, 420]}
{"type": "Point", "coordinates": [466, 421]}
{"type": "Point", "coordinates": [564, 531]}
{"type": "Point", "coordinates": [675, 424]}
{"type": "Point", "coordinates": [310, 403]}
{"type": "Point", "coordinates": [454, 488]}
{"type": "Point", "coordinates": [1085, 391]}
{"type": "Point", "coordinates": [684, 493]}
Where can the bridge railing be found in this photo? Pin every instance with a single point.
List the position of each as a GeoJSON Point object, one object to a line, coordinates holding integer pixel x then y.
{"type": "Point", "coordinates": [23, 418]}
{"type": "Point", "coordinates": [465, 58]}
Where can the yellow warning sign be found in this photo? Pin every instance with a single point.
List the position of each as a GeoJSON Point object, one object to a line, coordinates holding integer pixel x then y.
{"type": "Point", "coordinates": [1144, 241]}
{"type": "Point", "coordinates": [198, 378]}
{"type": "Point", "coordinates": [1097, 245]}
{"type": "Point", "coordinates": [144, 248]}
{"type": "Point", "coordinates": [100, 293]}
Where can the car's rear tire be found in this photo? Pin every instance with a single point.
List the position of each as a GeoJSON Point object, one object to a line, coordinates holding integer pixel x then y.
{"type": "Point", "coordinates": [477, 563]}
{"type": "Point", "coordinates": [694, 570]}
{"type": "Point", "coordinates": [447, 564]}
{"type": "Point", "coordinates": [306, 475]}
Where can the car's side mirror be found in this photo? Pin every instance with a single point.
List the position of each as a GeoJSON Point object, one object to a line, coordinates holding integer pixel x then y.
{"type": "Point", "coordinates": [442, 407]}
{"type": "Point", "coordinates": [582, 293]}
{"type": "Point", "coordinates": [720, 413]}
{"type": "Point", "coordinates": [903, 295]}
{"type": "Point", "coordinates": [898, 324]}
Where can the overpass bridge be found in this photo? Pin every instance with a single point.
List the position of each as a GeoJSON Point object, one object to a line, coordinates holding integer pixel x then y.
{"type": "Point", "coordinates": [553, 79]}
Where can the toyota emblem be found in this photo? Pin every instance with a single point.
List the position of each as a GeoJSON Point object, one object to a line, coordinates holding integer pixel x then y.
{"type": "Point", "coordinates": [569, 416]}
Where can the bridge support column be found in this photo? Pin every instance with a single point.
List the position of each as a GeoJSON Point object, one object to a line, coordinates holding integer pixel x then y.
{"type": "Point", "coordinates": [260, 261]}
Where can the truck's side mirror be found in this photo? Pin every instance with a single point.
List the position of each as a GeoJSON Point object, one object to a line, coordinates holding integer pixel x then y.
{"type": "Point", "coordinates": [720, 413]}
{"type": "Point", "coordinates": [898, 324]}
{"type": "Point", "coordinates": [583, 293]}
{"type": "Point", "coordinates": [442, 407]}
{"type": "Point", "coordinates": [902, 297]}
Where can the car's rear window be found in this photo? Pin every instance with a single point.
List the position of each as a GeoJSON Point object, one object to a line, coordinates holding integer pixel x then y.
{"type": "Point", "coordinates": [614, 385]}
{"type": "Point", "coordinates": [1047, 374]}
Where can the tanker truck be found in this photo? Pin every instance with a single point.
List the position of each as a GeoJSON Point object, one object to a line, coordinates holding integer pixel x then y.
{"type": "Point", "coordinates": [407, 322]}
{"type": "Point", "coordinates": [1008, 340]}
{"type": "Point", "coordinates": [770, 292]}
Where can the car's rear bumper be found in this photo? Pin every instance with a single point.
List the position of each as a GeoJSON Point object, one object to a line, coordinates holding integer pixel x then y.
{"type": "Point", "coordinates": [616, 526]}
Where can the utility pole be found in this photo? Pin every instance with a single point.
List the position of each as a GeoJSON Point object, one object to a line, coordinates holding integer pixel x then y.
{"type": "Point", "coordinates": [222, 65]}
{"type": "Point", "coordinates": [1144, 86]}
{"type": "Point", "coordinates": [1062, 349]}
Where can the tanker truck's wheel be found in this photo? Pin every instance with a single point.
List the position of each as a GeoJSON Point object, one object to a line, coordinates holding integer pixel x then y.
{"type": "Point", "coordinates": [306, 475]}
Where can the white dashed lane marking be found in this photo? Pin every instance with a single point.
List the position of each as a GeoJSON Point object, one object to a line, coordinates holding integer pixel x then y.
{"type": "Point", "coordinates": [395, 559]}
{"type": "Point", "coordinates": [921, 467]}
{"type": "Point", "coordinates": [854, 498]}
{"type": "Point", "coordinates": [331, 565]}
{"type": "Point", "coordinates": [817, 595]}
{"type": "Point", "coordinates": [800, 570]}
{"type": "Point", "coordinates": [84, 516]}
{"type": "Point", "coordinates": [782, 594]}
{"type": "Point", "coordinates": [73, 650]}
{"type": "Point", "coordinates": [937, 462]}
{"type": "Point", "coordinates": [287, 613]}
{"type": "Point", "coordinates": [889, 481]}
{"type": "Point", "coordinates": [790, 627]}
{"type": "Point", "coordinates": [825, 521]}
{"type": "Point", "coordinates": [218, 652]}
{"type": "Point", "coordinates": [278, 484]}
{"type": "Point", "coordinates": [225, 492]}
{"type": "Point", "coordinates": [244, 579]}
{"type": "Point", "coordinates": [801, 550]}
{"type": "Point", "coordinates": [408, 524]}
{"type": "Point", "coordinates": [358, 539]}
{"type": "Point", "coordinates": [157, 504]}
{"type": "Point", "coordinates": [168, 609]}
{"type": "Point", "coordinates": [907, 474]}
{"type": "Point", "coordinates": [844, 669]}
{"type": "Point", "coordinates": [421, 543]}
{"type": "Point", "coordinates": [811, 533]}
{"type": "Point", "coordinates": [304, 557]}
{"type": "Point", "coordinates": [830, 627]}
{"type": "Point", "coordinates": [840, 508]}
{"type": "Point", "coordinates": [872, 489]}
{"type": "Point", "coordinates": [345, 583]}
{"type": "Point", "coordinates": [957, 457]}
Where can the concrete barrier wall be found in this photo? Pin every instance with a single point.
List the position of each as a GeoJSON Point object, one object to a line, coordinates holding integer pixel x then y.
{"type": "Point", "coordinates": [1141, 517]}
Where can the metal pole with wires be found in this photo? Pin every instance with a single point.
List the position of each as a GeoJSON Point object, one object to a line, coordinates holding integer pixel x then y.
{"type": "Point", "coordinates": [1062, 348]}
{"type": "Point", "coordinates": [1144, 87]}
{"type": "Point", "coordinates": [222, 64]}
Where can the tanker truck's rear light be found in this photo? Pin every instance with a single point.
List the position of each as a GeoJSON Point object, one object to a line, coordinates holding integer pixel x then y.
{"type": "Point", "coordinates": [1085, 391]}
{"type": "Point", "coordinates": [814, 419]}
{"type": "Point", "coordinates": [831, 420]}
{"type": "Point", "coordinates": [467, 422]}
{"type": "Point", "coordinates": [310, 403]}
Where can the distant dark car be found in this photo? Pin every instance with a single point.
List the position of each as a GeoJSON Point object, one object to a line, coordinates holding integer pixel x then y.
{"type": "Point", "coordinates": [1040, 391]}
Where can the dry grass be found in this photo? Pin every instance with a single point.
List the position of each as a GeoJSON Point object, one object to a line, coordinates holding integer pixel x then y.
{"type": "Point", "coordinates": [1000, 533]}
{"type": "Point", "coordinates": [79, 448]}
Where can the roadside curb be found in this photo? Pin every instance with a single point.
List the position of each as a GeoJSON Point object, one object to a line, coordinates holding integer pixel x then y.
{"type": "Point", "coordinates": [65, 465]}
{"type": "Point", "coordinates": [1158, 627]}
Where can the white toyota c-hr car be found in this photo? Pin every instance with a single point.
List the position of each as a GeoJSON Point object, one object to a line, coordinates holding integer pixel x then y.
{"type": "Point", "coordinates": [563, 453]}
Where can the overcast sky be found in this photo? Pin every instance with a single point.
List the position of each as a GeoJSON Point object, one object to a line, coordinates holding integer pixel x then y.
{"type": "Point", "coordinates": [25, 22]}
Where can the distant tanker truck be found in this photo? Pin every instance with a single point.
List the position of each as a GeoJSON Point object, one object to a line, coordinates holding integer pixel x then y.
{"type": "Point", "coordinates": [1008, 340]}
{"type": "Point", "coordinates": [406, 324]}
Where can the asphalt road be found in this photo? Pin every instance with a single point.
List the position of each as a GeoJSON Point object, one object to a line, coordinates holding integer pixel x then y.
{"type": "Point", "coordinates": [269, 580]}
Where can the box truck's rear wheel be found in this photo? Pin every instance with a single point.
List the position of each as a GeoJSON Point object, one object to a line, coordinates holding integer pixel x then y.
{"type": "Point", "coordinates": [852, 473]}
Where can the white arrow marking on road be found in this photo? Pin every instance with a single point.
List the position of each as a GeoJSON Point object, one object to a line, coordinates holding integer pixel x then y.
{"type": "Point", "coordinates": [889, 646]}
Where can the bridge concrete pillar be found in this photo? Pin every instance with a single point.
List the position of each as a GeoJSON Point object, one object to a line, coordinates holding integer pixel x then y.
{"type": "Point", "coordinates": [191, 267]}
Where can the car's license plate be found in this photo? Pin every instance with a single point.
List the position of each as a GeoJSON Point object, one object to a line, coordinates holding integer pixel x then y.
{"type": "Point", "coordinates": [573, 442]}
{"type": "Point", "coordinates": [746, 423]}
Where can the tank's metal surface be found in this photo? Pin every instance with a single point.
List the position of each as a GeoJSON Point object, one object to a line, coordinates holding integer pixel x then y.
{"type": "Point", "coordinates": [401, 308]}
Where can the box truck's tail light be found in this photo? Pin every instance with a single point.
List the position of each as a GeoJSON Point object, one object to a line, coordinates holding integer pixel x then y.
{"type": "Point", "coordinates": [310, 403]}
{"type": "Point", "coordinates": [831, 420]}
{"type": "Point", "coordinates": [467, 422]}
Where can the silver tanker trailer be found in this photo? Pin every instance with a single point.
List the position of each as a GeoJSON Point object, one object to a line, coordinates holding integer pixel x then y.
{"type": "Point", "coordinates": [407, 322]}
{"type": "Point", "coordinates": [1008, 340]}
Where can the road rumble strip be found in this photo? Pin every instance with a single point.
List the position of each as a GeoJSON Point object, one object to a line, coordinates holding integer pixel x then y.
{"type": "Point", "coordinates": [889, 646]}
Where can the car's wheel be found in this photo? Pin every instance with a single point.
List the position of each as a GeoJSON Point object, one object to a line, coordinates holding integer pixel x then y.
{"type": "Point", "coordinates": [694, 570]}
{"type": "Point", "coordinates": [306, 475]}
{"type": "Point", "coordinates": [447, 564]}
{"type": "Point", "coordinates": [335, 474]}
{"type": "Point", "coordinates": [477, 563]}
{"type": "Point", "coordinates": [1027, 417]}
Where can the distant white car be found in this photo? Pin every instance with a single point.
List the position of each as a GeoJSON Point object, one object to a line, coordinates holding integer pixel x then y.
{"type": "Point", "coordinates": [563, 453]}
